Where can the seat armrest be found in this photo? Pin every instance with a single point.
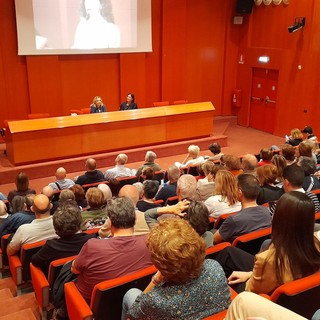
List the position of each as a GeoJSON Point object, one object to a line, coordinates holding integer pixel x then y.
{"type": "Point", "coordinates": [77, 307]}
{"type": "Point", "coordinates": [40, 286]}
{"type": "Point", "coordinates": [15, 269]}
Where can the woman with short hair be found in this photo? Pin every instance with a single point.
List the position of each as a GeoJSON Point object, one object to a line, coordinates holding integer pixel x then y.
{"type": "Point", "coordinates": [186, 286]}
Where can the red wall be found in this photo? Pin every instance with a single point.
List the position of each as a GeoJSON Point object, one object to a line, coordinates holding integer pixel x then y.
{"type": "Point", "coordinates": [187, 62]}
{"type": "Point", "coordinates": [267, 34]}
{"type": "Point", "coordinates": [195, 55]}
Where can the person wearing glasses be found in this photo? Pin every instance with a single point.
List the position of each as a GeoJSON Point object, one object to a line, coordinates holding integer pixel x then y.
{"type": "Point", "coordinates": [97, 105]}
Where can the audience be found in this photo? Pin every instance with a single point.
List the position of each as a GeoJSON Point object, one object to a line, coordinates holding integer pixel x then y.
{"type": "Point", "coordinates": [311, 182]}
{"type": "Point", "coordinates": [122, 254]}
{"type": "Point", "coordinates": [292, 254]}
{"type": "Point", "coordinates": [249, 163]}
{"type": "Point", "coordinates": [192, 158]}
{"type": "Point", "coordinates": [107, 194]}
{"type": "Point", "coordinates": [66, 196]}
{"type": "Point", "coordinates": [250, 218]}
{"type": "Point", "coordinates": [119, 170]}
{"type": "Point", "coordinates": [61, 181]}
{"type": "Point", "coordinates": [280, 162]}
{"type": "Point", "coordinates": [147, 174]}
{"type": "Point", "coordinates": [248, 305]}
{"type": "Point", "coordinates": [115, 187]}
{"type": "Point", "coordinates": [41, 228]}
{"type": "Point", "coordinates": [3, 212]}
{"type": "Point", "coordinates": [215, 149]}
{"type": "Point", "coordinates": [293, 180]}
{"type": "Point", "coordinates": [48, 191]}
{"type": "Point", "coordinates": [2, 196]}
{"type": "Point", "coordinates": [295, 138]}
{"type": "Point", "coordinates": [91, 175]}
{"type": "Point", "coordinates": [186, 285]}
{"type": "Point", "coordinates": [79, 195]}
{"type": "Point", "coordinates": [226, 198]}
{"type": "Point", "coordinates": [288, 151]}
{"type": "Point", "coordinates": [25, 215]}
{"type": "Point", "coordinates": [149, 162]}
{"type": "Point", "coordinates": [22, 185]}
{"type": "Point", "coordinates": [96, 213]}
{"type": "Point", "coordinates": [265, 157]}
{"type": "Point", "coordinates": [67, 223]}
{"type": "Point", "coordinates": [140, 226]}
{"type": "Point", "coordinates": [232, 163]}
{"type": "Point", "coordinates": [150, 189]}
{"type": "Point", "coordinates": [267, 176]}
{"type": "Point", "coordinates": [170, 188]}
{"type": "Point", "coordinates": [309, 132]}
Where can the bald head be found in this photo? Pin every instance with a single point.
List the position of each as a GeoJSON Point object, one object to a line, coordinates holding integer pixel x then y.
{"type": "Point", "coordinates": [48, 191]}
{"type": "Point", "coordinates": [91, 164]}
{"type": "Point", "coordinates": [249, 162]}
{"type": "Point", "coordinates": [131, 192]}
{"type": "Point", "coordinates": [41, 205]}
{"type": "Point", "coordinates": [61, 173]}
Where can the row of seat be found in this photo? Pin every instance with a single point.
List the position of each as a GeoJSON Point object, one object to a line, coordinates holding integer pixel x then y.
{"type": "Point", "coordinates": [106, 301]}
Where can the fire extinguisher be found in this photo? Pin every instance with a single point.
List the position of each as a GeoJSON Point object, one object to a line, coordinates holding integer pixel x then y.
{"type": "Point", "coordinates": [236, 98]}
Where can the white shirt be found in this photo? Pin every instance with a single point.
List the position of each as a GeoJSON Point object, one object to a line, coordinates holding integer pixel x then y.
{"type": "Point", "coordinates": [217, 207]}
{"type": "Point", "coordinates": [119, 171]}
{"type": "Point", "coordinates": [37, 230]}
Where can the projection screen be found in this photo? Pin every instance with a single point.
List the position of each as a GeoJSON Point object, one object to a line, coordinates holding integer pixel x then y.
{"type": "Point", "coordinates": [47, 27]}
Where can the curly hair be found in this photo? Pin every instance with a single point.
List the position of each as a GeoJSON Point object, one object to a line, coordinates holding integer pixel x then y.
{"type": "Point", "coordinates": [67, 219]}
{"type": "Point", "coordinates": [176, 250]}
{"type": "Point", "coordinates": [121, 212]}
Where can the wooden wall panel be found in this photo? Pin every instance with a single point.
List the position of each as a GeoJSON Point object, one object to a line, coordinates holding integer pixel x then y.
{"type": "Point", "coordinates": [295, 55]}
{"type": "Point", "coordinates": [133, 75]}
{"type": "Point", "coordinates": [83, 77]}
{"type": "Point", "coordinates": [13, 73]}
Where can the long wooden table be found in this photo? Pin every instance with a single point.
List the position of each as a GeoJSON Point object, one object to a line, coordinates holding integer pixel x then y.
{"type": "Point", "coordinates": [54, 138]}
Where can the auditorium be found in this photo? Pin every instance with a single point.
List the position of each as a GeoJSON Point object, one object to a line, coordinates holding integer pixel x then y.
{"type": "Point", "coordinates": [153, 152]}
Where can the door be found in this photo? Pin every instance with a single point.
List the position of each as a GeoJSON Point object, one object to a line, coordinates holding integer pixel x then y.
{"type": "Point", "coordinates": [263, 99]}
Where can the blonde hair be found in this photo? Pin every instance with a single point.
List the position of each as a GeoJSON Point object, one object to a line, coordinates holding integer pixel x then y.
{"type": "Point", "coordinates": [226, 186]}
{"type": "Point", "coordinates": [177, 250]}
{"type": "Point", "coordinates": [296, 134]}
{"type": "Point", "coordinates": [194, 149]}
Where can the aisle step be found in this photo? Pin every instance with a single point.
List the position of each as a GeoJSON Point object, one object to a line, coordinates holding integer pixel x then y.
{"type": "Point", "coordinates": [13, 305]}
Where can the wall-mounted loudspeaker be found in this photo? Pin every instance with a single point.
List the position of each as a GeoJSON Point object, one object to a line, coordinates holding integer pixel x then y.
{"type": "Point", "coordinates": [244, 6]}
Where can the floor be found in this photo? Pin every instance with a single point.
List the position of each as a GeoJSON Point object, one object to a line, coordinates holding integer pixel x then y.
{"type": "Point", "coordinates": [241, 140]}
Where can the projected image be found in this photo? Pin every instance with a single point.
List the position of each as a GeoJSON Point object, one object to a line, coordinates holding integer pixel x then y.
{"type": "Point", "coordinates": [83, 26]}
{"type": "Point", "coordinates": [96, 28]}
